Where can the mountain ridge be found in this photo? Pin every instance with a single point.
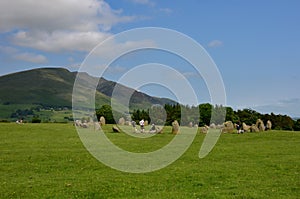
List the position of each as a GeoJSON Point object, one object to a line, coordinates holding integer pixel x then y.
{"type": "Point", "coordinates": [54, 87]}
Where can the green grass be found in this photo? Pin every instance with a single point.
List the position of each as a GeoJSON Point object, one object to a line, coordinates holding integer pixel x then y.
{"type": "Point", "coordinates": [49, 161]}
{"type": "Point", "coordinates": [44, 115]}
{"type": "Point", "coordinates": [7, 110]}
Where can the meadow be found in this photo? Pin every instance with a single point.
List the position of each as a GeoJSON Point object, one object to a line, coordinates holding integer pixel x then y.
{"type": "Point", "coordinates": [50, 161]}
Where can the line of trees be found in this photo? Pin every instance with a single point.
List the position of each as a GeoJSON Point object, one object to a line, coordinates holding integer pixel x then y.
{"type": "Point", "coordinates": [201, 115]}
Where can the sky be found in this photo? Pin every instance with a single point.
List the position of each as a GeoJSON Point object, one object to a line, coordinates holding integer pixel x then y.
{"type": "Point", "coordinates": [255, 44]}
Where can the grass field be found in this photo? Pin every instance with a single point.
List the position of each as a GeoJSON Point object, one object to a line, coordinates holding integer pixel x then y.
{"type": "Point", "coordinates": [49, 161]}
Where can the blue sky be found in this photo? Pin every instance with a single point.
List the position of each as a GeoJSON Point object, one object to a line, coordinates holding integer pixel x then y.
{"type": "Point", "coordinates": [255, 44]}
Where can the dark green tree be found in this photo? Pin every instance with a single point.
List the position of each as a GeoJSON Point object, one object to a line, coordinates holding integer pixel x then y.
{"type": "Point", "coordinates": [205, 114]}
{"type": "Point", "coordinates": [106, 111]}
{"type": "Point", "coordinates": [248, 116]}
{"type": "Point", "coordinates": [297, 125]}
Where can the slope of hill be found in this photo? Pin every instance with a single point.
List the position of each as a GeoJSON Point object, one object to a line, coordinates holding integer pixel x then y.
{"type": "Point", "coordinates": [54, 86]}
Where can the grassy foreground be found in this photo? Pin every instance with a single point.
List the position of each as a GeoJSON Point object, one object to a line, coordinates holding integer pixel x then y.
{"type": "Point", "coordinates": [49, 161]}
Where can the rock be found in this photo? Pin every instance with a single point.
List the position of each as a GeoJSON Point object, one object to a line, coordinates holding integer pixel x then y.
{"type": "Point", "coordinates": [175, 127]}
{"type": "Point", "coordinates": [260, 125]}
{"type": "Point", "coordinates": [121, 121]}
{"type": "Point", "coordinates": [84, 125]}
{"type": "Point", "coordinates": [213, 126]}
{"type": "Point", "coordinates": [203, 129]}
{"type": "Point", "coordinates": [146, 123]}
{"type": "Point", "coordinates": [97, 126]}
{"type": "Point", "coordinates": [228, 127]}
{"type": "Point", "coordinates": [254, 128]}
{"type": "Point", "coordinates": [133, 124]}
{"type": "Point", "coordinates": [246, 127]}
{"type": "Point", "coordinates": [128, 123]}
{"type": "Point", "coordinates": [159, 130]}
{"type": "Point", "coordinates": [269, 125]}
{"type": "Point", "coordinates": [78, 123]}
{"type": "Point", "coordinates": [191, 124]}
{"type": "Point", "coordinates": [220, 126]}
{"type": "Point", "coordinates": [116, 129]}
{"type": "Point", "coordinates": [102, 121]}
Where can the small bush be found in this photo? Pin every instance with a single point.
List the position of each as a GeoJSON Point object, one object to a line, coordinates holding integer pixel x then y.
{"type": "Point", "coordinates": [36, 120]}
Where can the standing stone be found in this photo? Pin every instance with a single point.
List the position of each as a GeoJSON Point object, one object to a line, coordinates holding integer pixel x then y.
{"type": "Point", "coordinates": [246, 127]}
{"type": "Point", "coordinates": [159, 130]}
{"type": "Point", "coordinates": [213, 126]}
{"type": "Point", "coordinates": [116, 129]}
{"type": "Point", "coordinates": [102, 121]}
{"type": "Point", "coordinates": [191, 124]}
{"type": "Point", "coordinates": [260, 125]}
{"type": "Point", "coordinates": [175, 127]}
{"type": "Point", "coordinates": [269, 125]}
{"type": "Point", "coordinates": [228, 127]}
{"type": "Point", "coordinates": [97, 126]}
{"type": "Point", "coordinates": [121, 121]}
{"type": "Point", "coordinates": [203, 129]}
{"type": "Point", "coordinates": [254, 128]}
{"type": "Point", "coordinates": [128, 123]}
{"type": "Point", "coordinates": [146, 123]}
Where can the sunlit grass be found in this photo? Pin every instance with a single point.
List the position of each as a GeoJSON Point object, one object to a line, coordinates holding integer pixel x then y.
{"type": "Point", "coordinates": [49, 161]}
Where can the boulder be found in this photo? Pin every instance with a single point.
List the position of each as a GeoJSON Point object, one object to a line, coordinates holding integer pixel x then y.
{"type": "Point", "coordinates": [85, 125]}
{"type": "Point", "coordinates": [213, 126]}
{"type": "Point", "coordinates": [128, 123]}
{"type": "Point", "coordinates": [116, 129]}
{"type": "Point", "coordinates": [102, 121]}
{"type": "Point", "coordinates": [220, 126]}
{"type": "Point", "coordinates": [228, 127]}
{"type": "Point", "coordinates": [260, 125]}
{"type": "Point", "coordinates": [175, 127]}
{"type": "Point", "coordinates": [203, 129]}
{"type": "Point", "coordinates": [121, 121]}
{"type": "Point", "coordinates": [97, 126]}
{"type": "Point", "coordinates": [159, 130]}
{"type": "Point", "coordinates": [146, 123]}
{"type": "Point", "coordinates": [269, 125]}
{"type": "Point", "coordinates": [246, 127]}
{"type": "Point", "coordinates": [254, 128]}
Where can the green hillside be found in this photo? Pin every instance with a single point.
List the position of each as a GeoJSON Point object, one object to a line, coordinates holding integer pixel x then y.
{"type": "Point", "coordinates": [53, 87]}
{"type": "Point", "coordinates": [39, 86]}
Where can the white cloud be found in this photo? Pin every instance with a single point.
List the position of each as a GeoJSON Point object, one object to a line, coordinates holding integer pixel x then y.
{"type": "Point", "coordinates": [16, 54]}
{"type": "Point", "coordinates": [116, 69]}
{"type": "Point", "coordinates": [59, 40]}
{"type": "Point", "coordinates": [290, 107]}
{"type": "Point", "coordinates": [59, 25]}
{"type": "Point", "coordinates": [215, 43]}
{"type": "Point", "coordinates": [112, 48]}
{"type": "Point", "coordinates": [144, 2]}
{"type": "Point", "coordinates": [8, 49]}
{"type": "Point", "coordinates": [30, 57]}
{"type": "Point", "coordinates": [76, 15]}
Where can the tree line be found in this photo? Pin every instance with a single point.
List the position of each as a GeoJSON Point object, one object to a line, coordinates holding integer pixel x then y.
{"type": "Point", "coordinates": [204, 114]}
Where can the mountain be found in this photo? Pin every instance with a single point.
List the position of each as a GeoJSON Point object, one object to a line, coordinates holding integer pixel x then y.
{"type": "Point", "coordinates": [54, 87]}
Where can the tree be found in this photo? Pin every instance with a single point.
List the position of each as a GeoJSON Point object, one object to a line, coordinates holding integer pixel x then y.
{"type": "Point", "coordinates": [173, 113]}
{"type": "Point", "coordinates": [106, 112]}
{"type": "Point", "coordinates": [248, 116]}
{"type": "Point", "coordinates": [36, 119]}
{"type": "Point", "coordinates": [218, 114]}
{"type": "Point", "coordinates": [205, 114]}
{"type": "Point", "coordinates": [297, 125]}
{"type": "Point", "coordinates": [231, 115]}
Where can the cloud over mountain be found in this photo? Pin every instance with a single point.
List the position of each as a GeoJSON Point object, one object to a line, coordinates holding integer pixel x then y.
{"type": "Point", "coordinates": [54, 26]}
